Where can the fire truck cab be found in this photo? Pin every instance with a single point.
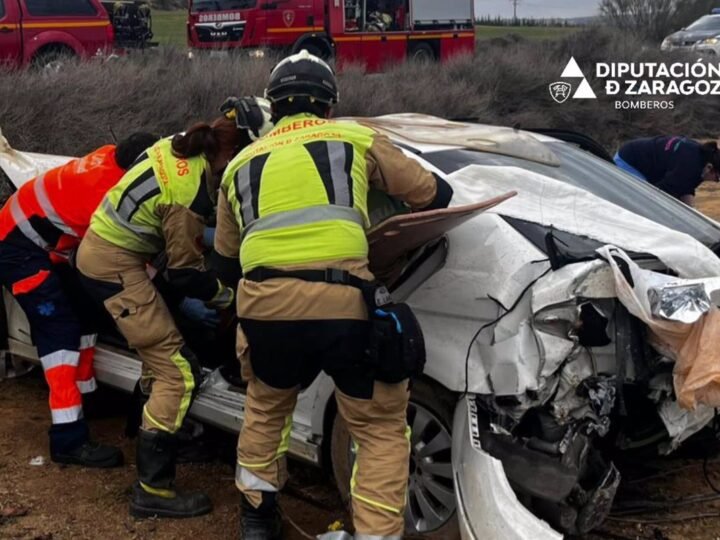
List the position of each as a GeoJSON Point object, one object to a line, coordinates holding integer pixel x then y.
{"type": "Point", "coordinates": [369, 32]}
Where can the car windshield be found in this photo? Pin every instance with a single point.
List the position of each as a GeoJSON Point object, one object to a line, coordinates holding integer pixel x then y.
{"type": "Point", "coordinates": [708, 22]}
{"type": "Point", "coordinates": [198, 6]}
{"type": "Point", "coordinates": [585, 171]}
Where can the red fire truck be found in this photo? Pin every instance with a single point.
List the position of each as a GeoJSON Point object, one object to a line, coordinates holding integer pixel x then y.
{"type": "Point", "coordinates": [369, 32]}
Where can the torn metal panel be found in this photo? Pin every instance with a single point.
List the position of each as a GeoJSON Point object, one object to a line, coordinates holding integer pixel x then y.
{"type": "Point", "coordinates": [584, 280]}
{"type": "Point", "coordinates": [511, 366]}
{"type": "Point", "coordinates": [454, 303]}
{"type": "Point", "coordinates": [569, 406]}
{"type": "Point", "coordinates": [682, 424]}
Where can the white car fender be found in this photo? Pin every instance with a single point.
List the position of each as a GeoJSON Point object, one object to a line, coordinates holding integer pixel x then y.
{"type": "Point", "coordinates": [487, 505]}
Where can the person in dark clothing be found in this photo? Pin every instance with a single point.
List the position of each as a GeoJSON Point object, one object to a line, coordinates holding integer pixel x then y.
{"type": "Point", "coordinates": [676, 165]}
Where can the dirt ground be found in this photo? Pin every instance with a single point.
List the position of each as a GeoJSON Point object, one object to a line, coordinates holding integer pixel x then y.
{"type": "Point", "coordinates": [51, 502]}
{"type": "Point", "coordinates": [709, 200]}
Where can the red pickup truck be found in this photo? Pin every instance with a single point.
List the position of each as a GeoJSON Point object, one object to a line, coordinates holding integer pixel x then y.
{"type": "Point", "coordinates": [42, 31]}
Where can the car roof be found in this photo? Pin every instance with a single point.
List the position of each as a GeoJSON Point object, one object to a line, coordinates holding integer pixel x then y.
{"type": "Point", "coordinates": [426, 133]}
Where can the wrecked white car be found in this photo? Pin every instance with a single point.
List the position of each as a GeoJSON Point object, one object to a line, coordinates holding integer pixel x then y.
{"type": "Point", "coordinates": [536, 375]}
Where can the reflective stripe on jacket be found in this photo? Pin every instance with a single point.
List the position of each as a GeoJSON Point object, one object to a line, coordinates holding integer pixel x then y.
{"type": "Point", "coordinates": [300, 194]}
{"type": "Point", "coordinates": [131, 214]}
{"type": "Point", "coordinates": [162, 203]}
{"type": "Point", "coordinates": [54, 209]}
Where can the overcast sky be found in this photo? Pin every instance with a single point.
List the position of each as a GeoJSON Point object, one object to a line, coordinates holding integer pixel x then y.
{"type": "Point", "coordinates": [537, 8]}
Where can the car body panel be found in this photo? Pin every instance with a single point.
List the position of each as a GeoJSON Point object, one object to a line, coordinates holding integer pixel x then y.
{"type": "Point", "coordinates": [85, 32]}
{"type": "Point", "coordinates": [704, 28]}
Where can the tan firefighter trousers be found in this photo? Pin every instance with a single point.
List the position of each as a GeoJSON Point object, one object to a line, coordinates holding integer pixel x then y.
{"type": "Point", "coordinates": [377, 425]}
{"type": "Point", "coordinates": [119, 279]}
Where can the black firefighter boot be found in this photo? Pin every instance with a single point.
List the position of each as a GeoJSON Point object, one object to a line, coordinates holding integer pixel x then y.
{"type": "Point", "coordinates": [70, 444]}
{"type": "Point", "coordinates": [154, 493]}
{"type": "Point", "coordinates": [263, 523]}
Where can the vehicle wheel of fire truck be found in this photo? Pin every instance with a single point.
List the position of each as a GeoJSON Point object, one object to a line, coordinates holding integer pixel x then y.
{"type": "Point", "coordinates": [422, 52]}
{"type": "Point", "coordinates": [430, 512]}
{"type": "Point", "coordinates": [51, 59]}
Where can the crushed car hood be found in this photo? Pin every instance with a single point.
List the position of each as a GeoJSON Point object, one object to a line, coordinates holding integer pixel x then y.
{"type": "Point", "coordinates": [469, 292]}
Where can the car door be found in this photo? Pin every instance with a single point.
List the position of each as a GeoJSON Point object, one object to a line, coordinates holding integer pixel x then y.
{"type": "Point", "coordinates": [10, 37]}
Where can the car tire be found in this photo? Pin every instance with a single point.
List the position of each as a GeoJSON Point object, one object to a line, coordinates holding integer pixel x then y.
{"type": "Point", "coordinates": [422, 52]}
{"type": "Point", "coordinates": [431, 412]}
{"type": "Point", "coordinates": [14, 367]}
{"type": "Point", "coordinates": [53, 59]}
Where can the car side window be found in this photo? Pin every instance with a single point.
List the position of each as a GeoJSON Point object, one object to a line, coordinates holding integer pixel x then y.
{"type": "Point", "coordinates": [51, 8]}
{"type": "Point", "coordinates": [2, 8]}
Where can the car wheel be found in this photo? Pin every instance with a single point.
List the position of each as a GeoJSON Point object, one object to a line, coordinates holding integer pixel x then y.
{"type": "Point", "coordinates": [52, 60]}
{"type": "Point", "coordinates": [12, 367]}
{"type": "Point", "coordinates": [430, 512]}
{"type": "Point", "coordinates": [422, 52]}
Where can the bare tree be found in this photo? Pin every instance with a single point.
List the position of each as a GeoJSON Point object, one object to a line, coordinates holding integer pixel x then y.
{"type": "Point", "coordinates": [653, 19]}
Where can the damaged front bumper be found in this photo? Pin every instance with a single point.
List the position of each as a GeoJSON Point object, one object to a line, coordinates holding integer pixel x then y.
{"type": "Point", "coordinates": [487, 505]}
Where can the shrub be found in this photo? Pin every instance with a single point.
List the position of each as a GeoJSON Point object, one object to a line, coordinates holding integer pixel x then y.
{"type": "Point", "coordinates": [82, 106]}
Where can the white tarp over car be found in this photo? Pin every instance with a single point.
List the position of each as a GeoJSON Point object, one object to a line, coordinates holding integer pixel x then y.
{"type": "Point", "coordinates": [550, 202]}
{"type": "Point", "coordinates": [23, 166]}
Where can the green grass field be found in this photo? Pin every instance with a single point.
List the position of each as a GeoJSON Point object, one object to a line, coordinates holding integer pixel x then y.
{"type": "Point", "coordinates": [527, 32]}
{"type": "Point", "coordinates": [169, 28]}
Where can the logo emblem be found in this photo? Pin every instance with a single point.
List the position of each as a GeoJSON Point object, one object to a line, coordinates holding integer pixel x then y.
{"type": "Point", "coordinates": [289, 17]}
{"type": "Point", "coordinates": [560, 91]}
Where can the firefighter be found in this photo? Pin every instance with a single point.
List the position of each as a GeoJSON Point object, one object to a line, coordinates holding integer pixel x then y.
{"type": "Point", "coordinates": [292, 214]}
{"type": "Point", "coordinates": [163, 203]}
{"type": "Point", "coordinates": [676, 165]}
{"type": "Point", "coordinates": [39, 227]}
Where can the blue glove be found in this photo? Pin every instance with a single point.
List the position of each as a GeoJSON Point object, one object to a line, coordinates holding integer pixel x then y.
{"type": "Point", "coordinates": [197, 311]}
{"type": "Point", "coordinates": [209, 237]}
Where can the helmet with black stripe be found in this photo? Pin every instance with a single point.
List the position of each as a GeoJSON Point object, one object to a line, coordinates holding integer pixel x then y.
{"type": "Point", "coordinates": [303, 75]}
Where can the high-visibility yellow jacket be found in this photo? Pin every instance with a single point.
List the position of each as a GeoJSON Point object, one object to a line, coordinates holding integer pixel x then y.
{"type": "Point", "coordinates": [163, 203]}
{"type": "Point", "coordinates": [298, 197]}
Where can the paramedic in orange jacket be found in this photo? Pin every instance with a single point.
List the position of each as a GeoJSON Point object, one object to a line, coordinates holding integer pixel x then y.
{"type": "Point", "coordinates": [40, 225]}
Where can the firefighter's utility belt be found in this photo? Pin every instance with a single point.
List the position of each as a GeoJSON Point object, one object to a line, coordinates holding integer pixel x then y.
{"type": "Point", "coordinates": [396, 348]}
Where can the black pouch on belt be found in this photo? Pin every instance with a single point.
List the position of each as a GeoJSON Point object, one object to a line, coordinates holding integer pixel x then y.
{"type": "Point", "coordinates": [396, 345]}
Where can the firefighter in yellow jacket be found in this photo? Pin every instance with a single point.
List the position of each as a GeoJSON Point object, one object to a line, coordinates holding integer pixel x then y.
{"type": "Point", "coordinates": [293, 209]}
{"type": "Point", "coordinates": [162, 203]}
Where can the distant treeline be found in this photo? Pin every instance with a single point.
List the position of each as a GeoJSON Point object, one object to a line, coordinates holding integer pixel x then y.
{"type": "Point", "coordinates": [487, 20]}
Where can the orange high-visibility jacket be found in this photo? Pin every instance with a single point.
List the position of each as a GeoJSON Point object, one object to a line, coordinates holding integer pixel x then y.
{"type": "Point", "coordinates": [54, 209]}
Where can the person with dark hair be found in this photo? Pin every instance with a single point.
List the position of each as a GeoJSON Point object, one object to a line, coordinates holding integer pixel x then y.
{"type": "Point", "coordinates": [676, 165]}
{"type": "Point", "coordinates": [40, 226]}
{"type": "Point", "coordinates": [163, 203]}
{"type": "Point", "coordinates": [292, 215]}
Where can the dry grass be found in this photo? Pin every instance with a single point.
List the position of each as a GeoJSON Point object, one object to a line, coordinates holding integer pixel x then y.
{"type": "Point", "coordinates": [506, 83]}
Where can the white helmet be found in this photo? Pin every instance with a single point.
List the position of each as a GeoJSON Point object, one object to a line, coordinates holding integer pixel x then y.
{"type": "Point", "coordinates": [250, 113]}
